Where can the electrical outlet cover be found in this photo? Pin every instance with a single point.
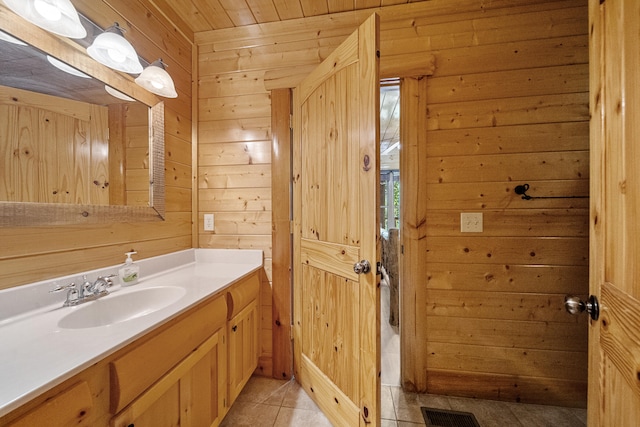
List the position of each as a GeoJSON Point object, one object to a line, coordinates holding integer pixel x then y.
{"type": "Point", "coordinates": [208, 222]}
{"type": "Point", "coordinates": [471, 222]}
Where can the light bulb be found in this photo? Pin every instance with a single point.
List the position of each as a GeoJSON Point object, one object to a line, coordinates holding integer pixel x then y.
{"type": "Point", "coordinates": [155, 79]}
{"type": "Point", "coordinates": [47, 10]}
{"type": "Point", "coordinates": [116, 55]}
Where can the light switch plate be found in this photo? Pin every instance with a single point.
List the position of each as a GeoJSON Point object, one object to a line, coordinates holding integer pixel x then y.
{"type": "Point", "coordinates": [471, 222]}
{"type": "Point", "coordinates": [208, 222]}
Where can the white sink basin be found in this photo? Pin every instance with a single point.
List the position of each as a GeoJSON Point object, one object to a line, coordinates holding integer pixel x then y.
{"type": "Point", "coordinates": [120, 308]}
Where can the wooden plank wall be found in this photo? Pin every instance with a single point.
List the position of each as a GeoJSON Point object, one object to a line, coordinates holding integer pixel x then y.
{"type": "Point", "coordinates": [507, 105]}
{"type": "Point", "coordinates": [52, 149]}
{"type": "Point", "coordinates": [30, 254]}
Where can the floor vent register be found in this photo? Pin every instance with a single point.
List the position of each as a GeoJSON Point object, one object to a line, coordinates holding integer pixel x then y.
{"type": "Point", "coordinates": [447, 418]}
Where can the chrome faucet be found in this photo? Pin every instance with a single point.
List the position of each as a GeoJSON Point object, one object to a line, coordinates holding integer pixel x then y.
{"type": "Point", "coordinates": [87, 291]}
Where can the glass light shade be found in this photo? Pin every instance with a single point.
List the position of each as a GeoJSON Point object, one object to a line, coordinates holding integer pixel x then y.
{"type": "Point", "coordinates": [56, 16]}
{"type": "Point", "coordinates": [63, 66]}
{"type": "Point", "coordinates": [113, 50]}
{"type": "Point", "coordinates": [113, 92]}
{"type": "Point", "coordinates": [156, 80]}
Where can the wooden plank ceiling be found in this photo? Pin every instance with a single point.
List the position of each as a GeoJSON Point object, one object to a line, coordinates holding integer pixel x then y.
{"type": "Point", "coordinates": [206, 15]}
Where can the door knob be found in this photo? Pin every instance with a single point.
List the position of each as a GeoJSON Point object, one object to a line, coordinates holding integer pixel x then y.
{"type": "Point", "coordinates": [362, 267]}
{"type": "Point", "coordinates": [574, 305]}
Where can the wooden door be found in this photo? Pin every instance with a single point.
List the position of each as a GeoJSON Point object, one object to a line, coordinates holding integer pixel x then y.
{"type": "Point", "coordinates": [614, 339]}
{"type": "Point", "coordinates": [336, 204]}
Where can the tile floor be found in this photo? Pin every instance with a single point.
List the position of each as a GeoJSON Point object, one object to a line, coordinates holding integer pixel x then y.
{"type": "Point", "coordinates": [389, 341]}
{"type": "Point", "coordinates": [277, 403]}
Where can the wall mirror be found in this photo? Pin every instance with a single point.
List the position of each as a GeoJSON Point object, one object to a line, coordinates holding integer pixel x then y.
{"type": "Point", "coordinates": [71, 152]}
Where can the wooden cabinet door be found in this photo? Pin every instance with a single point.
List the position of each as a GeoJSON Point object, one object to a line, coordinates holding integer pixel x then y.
{"type": "Point", "coordinates": [336, 207]}
{"type": "Point", "coordinates": [614, 339]}
{"type": "Point", "coordinates": [190, 395]}
{"type": "Point", "coordinates": [243, 349]}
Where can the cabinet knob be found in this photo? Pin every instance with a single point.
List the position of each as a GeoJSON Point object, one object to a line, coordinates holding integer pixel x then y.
{"type": "Point", "coordinates": [234, 328]}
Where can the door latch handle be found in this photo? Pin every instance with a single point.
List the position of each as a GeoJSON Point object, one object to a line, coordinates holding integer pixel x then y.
{"type": "Point", "coordinates": [363, 266]}
{"type": "Point", "coordinates": [574, 305]}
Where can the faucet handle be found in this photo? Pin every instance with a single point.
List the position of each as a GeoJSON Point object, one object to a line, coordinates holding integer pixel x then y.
{"type": "Point", "coordinates": [107, 279]}
{"type": "Point", "coordinates": [102, 283]}
{"type": "Point", "coordinates": [58, 288]}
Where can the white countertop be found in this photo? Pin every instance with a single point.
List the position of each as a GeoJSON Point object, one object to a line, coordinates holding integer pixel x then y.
{"type": "Point", "coordinates": [36, 354]}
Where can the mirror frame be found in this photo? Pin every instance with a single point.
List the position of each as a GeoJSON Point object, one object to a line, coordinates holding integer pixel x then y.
{"type": "Point", "coordinates": [28, 214]}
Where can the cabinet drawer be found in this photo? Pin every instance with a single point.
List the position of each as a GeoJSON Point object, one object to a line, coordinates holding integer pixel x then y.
{"type": "Point", "coordinates": [138, 369]}
{"type": "Point", "coordinates": [241, 294]}
{"type": "Point", "coordinates": [69, 408]}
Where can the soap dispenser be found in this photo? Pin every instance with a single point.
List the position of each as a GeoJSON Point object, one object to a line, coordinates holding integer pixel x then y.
{"type": "Point", "coordinates": [129, 271]}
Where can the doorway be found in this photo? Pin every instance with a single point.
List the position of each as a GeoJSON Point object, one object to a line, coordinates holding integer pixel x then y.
{"type": "Point", "coordinates": [390, 230]}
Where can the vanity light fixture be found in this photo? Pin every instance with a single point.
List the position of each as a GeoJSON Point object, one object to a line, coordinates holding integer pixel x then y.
{"type": "Point", "coordinates": [56, 16]}
{"type": "Point", "coordinates": [9, 38]}
{"type": "Point", "coordinates": [63, 66]}
{"type": "Point", "coordinates": [156, 80]}
{"type": "Point", "coordinates": [113, 50]}
{"type": "Point", "coordinates": [113, 92]}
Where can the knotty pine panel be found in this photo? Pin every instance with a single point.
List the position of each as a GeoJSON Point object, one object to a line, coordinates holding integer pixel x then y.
{"type": "Point", "coordinates": [569, 365]}
{"type": "Point", "coordinates": [248, 241]}
{"type": "Point", "coordinates": [235, 199]}
{"type": "Point", "coordinates": [499, 306]}
{"type": "Point", "coordinates": [530, 138]}
{"type": "Point", "coordinates": [177, 174]}
{"type": "Point", "coordinates": [522, 278]}
{"type": "Point", "coordinates": [513, 56]}
{"type": "Point", "coordinates": [496, 29]}
{"type": "Point", "coordinates": [268, 270]}
{"type": "Point", "coordinates": [178, 199]}
{"type": "Point", "coordinates": [509, 333]}
{"type": "Point", "coordinates": [519, 388]}
{"type": "Point", "coordinates": [501, 195]}
{"type": "Point", "coordinates": [233, 223]}
{"type": "Point", "coordinates": [20, 242]}
{"type": "Point", "coordinates": [234, 107]}
{"type": "Point", "coordinates": [505, 250]}
{"type": "Point", "coordinates": [508, 84]}
{"type": "Point", "coordinates": [137, 159]}
{"type": "Point", "coordinates": [223, 85]}
{"type": "Point", "coordinates": [515, 222]}
{"type": "Point", "coordinates": [231, 176]}
{"type": "Point", "coordinates": [554, 165]}
{"type": "Point", "coordinates": [570, 107]}
{"type": "Point", "coordinates": [177, 150]}
{"type": "Point", "coordinates": [234, 153]}
{"type": "Point", "coordinates": [510, 88]}
{"type": "Point", "coordinates": [54, 150]}
{"type": "Point", "coordinates": [241, 130]}
{"type": "Point", "coordinates": [42, 265]}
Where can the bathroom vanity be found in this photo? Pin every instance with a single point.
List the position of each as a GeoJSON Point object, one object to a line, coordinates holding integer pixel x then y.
{"type": "Point", "coordinates": [179, 354]}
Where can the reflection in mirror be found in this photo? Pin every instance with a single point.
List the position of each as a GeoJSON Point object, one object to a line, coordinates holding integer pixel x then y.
{"type": "Point", "coordinates": [74, 153]}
